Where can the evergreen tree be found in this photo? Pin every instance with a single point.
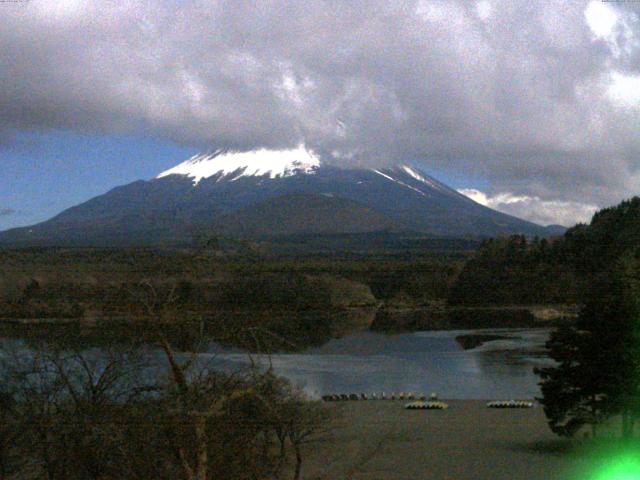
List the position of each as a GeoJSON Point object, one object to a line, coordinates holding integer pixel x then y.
{"type": "Point", "coordinates": [597, 373]}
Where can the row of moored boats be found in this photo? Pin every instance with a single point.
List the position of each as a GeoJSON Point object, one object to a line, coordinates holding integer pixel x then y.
{"type": "Point", "coordinates": [420, 402]}
{"type": "Point", "coordinates": [374, 396]}
{"type": "Point", "coordinates": [510, 404]}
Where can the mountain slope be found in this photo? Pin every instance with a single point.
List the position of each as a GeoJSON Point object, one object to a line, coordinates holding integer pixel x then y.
{"type": "Point", "coordinates": [297, 214]}
{"type": "Point", "coordinates": [265, 193]}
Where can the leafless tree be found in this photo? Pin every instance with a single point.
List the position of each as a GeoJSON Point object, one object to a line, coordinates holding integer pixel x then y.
{"type": "Point", "coordinates": [200, 398]}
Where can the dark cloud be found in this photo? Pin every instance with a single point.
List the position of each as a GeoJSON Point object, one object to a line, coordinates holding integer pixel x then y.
{"type": "Point", "coordinates": [535, 97]}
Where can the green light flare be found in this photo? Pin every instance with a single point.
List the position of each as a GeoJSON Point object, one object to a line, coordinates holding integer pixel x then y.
{"type": "Point", "coordinates": [620, 467]}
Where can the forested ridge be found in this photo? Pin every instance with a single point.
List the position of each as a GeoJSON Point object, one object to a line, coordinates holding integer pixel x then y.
{"type": "Point", "coordinates": [517, 270]}
{"type": "Point", "coordinates": [96, 285]}
{"type": "Point", "coordinates": [595, 377]}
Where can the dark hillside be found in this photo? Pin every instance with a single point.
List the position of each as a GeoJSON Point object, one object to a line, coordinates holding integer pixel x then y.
{"type": "Point", "coordinates": [516, 271]}
{"type": "Point", "coordinates": [303, 214]}
{"type": "Point", "coordinates": [513, 271]}
{"type": "Point", "coordinates": [302, 298]}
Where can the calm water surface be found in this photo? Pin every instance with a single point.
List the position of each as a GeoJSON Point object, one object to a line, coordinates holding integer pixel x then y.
{"type": "Point", "coordinates": [367, 362]}
{"type": "Point", "coordinates": [415, 362]}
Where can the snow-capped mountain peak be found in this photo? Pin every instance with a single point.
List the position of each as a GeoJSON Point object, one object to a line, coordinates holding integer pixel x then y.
{"type": "Point", "coordinates": [233, 165]}
{"type": "Point", "coordinates": [279, 193]}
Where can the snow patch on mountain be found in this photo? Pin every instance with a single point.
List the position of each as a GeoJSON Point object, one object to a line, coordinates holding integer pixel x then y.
{"type": "Point", "coordinates": [384, 175]}
{"type": "Point", "coordinates": [405, 170]}
{"type": "Point", "coordinates": [421, 178]}
{"type": "Point", "coordinates": [400, 182]}
{"type": "Point", "coordinates": [233, 165]}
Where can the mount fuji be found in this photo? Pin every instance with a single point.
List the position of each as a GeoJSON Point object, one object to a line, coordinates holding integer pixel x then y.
{"type": "Point", "coordinates": [269, 194]}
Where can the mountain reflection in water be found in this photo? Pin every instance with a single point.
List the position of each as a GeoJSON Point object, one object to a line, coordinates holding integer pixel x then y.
{"type": "Point", "coordinates": [421, 362]}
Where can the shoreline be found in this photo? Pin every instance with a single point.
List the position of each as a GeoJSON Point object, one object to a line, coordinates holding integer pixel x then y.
{"type": "Point", "coordinates": [387, 316]}
{"type": "Point", "coordinates": [401, 319]}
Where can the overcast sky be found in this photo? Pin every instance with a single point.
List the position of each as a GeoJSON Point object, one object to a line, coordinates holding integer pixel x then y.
{"type": "Point", "coordinates": [533, 106]}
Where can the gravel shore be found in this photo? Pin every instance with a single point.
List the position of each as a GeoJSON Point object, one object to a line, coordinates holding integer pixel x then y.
{"type": "Point", "coordinates": [381, 440]}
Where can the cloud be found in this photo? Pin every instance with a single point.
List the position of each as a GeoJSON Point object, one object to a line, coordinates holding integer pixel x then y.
{"type": "Point", "coordinates": [534, 209]}
{"type": "Point", "coordinates": [535, 98]}
{"type": "Point", "coordinates": [5, 212]}
{"type": "Point", "coordinates": [601, 19]}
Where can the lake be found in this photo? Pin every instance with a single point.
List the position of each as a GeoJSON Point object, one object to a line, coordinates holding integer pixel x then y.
{"type": "Point", "coordinates": [420, 362]}
{"type": "Point", "coordinates": [367, 362]}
